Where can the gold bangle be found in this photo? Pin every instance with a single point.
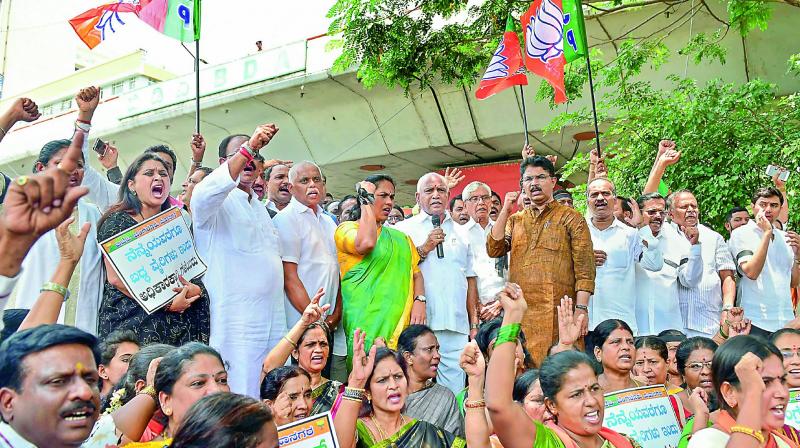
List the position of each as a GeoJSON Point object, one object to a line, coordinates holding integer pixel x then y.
{"type": "Point", "coordinates": [56, 288]}
{"type": "Point", "coordinates": [749, 431]}
{"type": "Point", "coordinates": [293, 344]}
{"type": "Point", "coordinates": [148, 390]}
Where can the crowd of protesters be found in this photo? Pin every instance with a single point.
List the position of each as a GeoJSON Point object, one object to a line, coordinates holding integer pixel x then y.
{"type": "Point", "coordinates": [476, 321]}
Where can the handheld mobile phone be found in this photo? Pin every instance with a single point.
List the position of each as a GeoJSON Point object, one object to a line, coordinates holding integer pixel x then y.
{"type": "Point", "coordinates": [784, 176]}
{"type": "Point", "coordinates": [100, 147]}
{"type": "Point", "coordinates": [771, 170]}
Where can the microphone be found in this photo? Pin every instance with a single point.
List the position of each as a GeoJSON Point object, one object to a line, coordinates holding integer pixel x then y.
{"type": "Point", "coordinates": [437, 222]}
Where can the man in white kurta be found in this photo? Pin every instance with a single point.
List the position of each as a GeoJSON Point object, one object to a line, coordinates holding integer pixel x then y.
{"type": "Point", "coordinates": [238, 241]}
{"type": "Point", "coordinates": [657, 305]}
{"type": "Point", "coordinates": [618, 251]}
{"type": "Point", "coordinates": [452, 293]}
{"type": "Point", "coordinates": [767, 259]}
{"type": "Point", "coordinates": [308, 250]}
{"type": "Point", "coordinates": [86, 286]}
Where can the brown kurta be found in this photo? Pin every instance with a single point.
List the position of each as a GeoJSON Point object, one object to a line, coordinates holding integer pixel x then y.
{"type": "Point", "coordinates": [551, 256]}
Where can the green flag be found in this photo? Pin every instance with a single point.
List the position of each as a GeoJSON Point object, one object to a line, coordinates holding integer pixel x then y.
{"type": "Point", "coordinates": [663, 190]}
{"type": "Point", "coordinates": [574, 30]}
{"type": "Point", "coordinates": [178, 19]}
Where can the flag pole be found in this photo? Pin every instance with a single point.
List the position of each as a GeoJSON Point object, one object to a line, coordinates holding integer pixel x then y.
{"type": "Point", "coordinates": [197, 86]}
{"type": "Point", "coordinates": [594, 106]}
{"type": "Point", "coordinates": [524, 113]}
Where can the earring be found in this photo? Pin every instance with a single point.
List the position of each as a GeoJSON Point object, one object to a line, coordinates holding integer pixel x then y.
{"type": "Point", "coordinates": [133, 192]}
{"type": "Point", "coordinates": [168, 412]}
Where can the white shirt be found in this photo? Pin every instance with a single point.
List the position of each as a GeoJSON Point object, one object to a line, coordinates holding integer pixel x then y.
{"type": "Point", "coordinates": [42, 260]}
{"type": "Point", "coordinates": [307, 240]}
{"type": "Point", "coordinates": [6, 287]}
{"type": "Point", "coordinates": [11, 439]}
{"type": "Point", "coordinates": [615, 282]}
{"type": "Point", "coordinates": [657, 306]}
{"type": "Point", "coordinates": [767, 300]}
{"type": "Point", "coordinates": [446, 287]}
{"type": "Point", "coordinates": [489, 281]}
{"type": "Point", "coordinates": [702, 304]}
{"type": "Point", "coordinates": [235, 236]}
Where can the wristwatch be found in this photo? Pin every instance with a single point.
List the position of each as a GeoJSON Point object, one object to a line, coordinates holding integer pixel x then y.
{"type": "Point", "coordinates": [421, 298]}
{"type": "Point", "coordinates": [582, 307]}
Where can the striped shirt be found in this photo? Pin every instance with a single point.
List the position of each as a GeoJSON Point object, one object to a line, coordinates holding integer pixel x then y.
{"type": "Point", "coordinates": [701, 305]}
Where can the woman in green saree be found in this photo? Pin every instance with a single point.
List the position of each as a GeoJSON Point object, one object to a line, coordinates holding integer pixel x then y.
{"type": "Point", "coordinates": [572, 393]}
{"type": "Point", "coordinates": [379, 423]}
{"type": "Point", "coordinates": [382, 288]}
{"type": "Point", "coordinates": [310, 352]}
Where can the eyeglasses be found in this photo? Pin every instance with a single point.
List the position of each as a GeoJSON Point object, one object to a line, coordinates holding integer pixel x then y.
{"type": "Point", "coordinates": [698, 366]}
{"type": "Point", "coordinates": [540, 178]}
{"type": "Point", "coordinates": [655, 212]}
{"type": "Point", "coordinates": [476, 199]}
{"type": "Point", "coordinates": [790, 353]}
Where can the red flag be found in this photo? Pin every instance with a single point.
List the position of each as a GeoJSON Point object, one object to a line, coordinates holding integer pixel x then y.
{"type": "Point", "coordinates": [543, 26]}
{"type": "Point", "coordinates": [92, 25]}
{"type": "Point", "coordinates": [505, 69]}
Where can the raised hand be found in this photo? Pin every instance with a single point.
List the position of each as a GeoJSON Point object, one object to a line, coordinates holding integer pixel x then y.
{"type": "Point", "coordinates": [368, 186]}
{"type": "Point", "coordinates": [472, 361]}
{"type": "Point", "coordinates": [748, 371]}
{"type": "Point", "coordinates": [513, 302]}
{"type": "Point", "coordinates": [692, 234]}
{"type": "Point", "coordinates": [70, 246]}
{"type": "Point", "coordinates": [313, 311]}
{"type": "Point", "coordinates": [25, 109]}
{"type": "Point", "coordinates": [434, 238]}
{"type": "Point", "coordinates": [262, 136]}
{"type": "Point", "coordinates": [552, 158]}
{"type": "Point", "coordinates": [109, 157]}
{"type": "Point", "coordinates": [452, 178]}
{"type": "Point", "coordinates": [528, 152]}
{"type": "Point", "coordinates": [187, 295]}
{"type": "Point", "coordinates": [793, 240]}
{"type": "Point", "coordinates": [87, 100]}
{"type": "Point", "coordinates": [362, 363]}
{"type": "Point", "coordinates": [491, 310]}
{"type": "Point", "coordinates": [762, 222]}
{"type": "Point", "coordinates": [569, 326]}
{"type": "Point", "coordinates": [198, 146]}
{"type": "Point", "coordinates": [594, 159]}
{"type": "Point", "coordinates": [665, 146]}
{"type": "Point", "coordinates": [35, 204]}
{"type": "Point", "coordinates": [670, 158]}
{"type": "Point", "coordinates": [510, 200]}
{"type": "Point", "coordinates": [601, 170]}
{"type": "Point", "coordinates": [150, 378]}
{"type": "Point", "coordinates": [698, 401]}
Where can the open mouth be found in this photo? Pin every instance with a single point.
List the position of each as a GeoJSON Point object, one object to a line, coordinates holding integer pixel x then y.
{"type": "Point", "coordinates": [625, 358]}
{"type": "Point", "coordinates": [258, 189]}
{"type": "Point", "coordinates": [394, 399]}
{"type": "Point", "coordinates": [778, 411]}
{"type": "Point", "coordinates": [706, 384]}
{"type": "Point", "coordinates": [435, 367]}
{"type": "Point", "coordinates": [74, 181]}
{"type": "Point", "coordinates": [386, 210]}
{"type": "Point", "coordinates": [80, 415]}
{"type": "Point", "coordinates": [249, 168]}
{"type": "Point", "coordinates": [794, 372]}
{"type": "Point", "coordinates": [601, 205]}
{"type": "Point", "coordinates": [317, 359]}
{"type": "Point", "coordinates": [301, 414]}
{"type": "Point", "coordinates": [158, 191]}
{"type": "Point", "coordinates": [593, 418]}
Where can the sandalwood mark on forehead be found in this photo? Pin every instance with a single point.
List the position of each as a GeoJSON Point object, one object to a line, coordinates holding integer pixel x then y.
{"type": "Point", "coordinates": [79, 368]}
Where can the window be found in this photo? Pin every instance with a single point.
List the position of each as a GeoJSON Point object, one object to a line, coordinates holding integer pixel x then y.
{"type": "Point", "coordinates": [66, 105]}
{"type": "Point", "coordinates": [116, 88]}
{"type": "Point", "coordinates": [131, 84]}
{"type": "Point", "coordinates": [48, 110]}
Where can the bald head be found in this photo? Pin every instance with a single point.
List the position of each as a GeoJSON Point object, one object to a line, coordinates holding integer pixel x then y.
{"type": "Point", "coordinates": [432, 194]}
{"type": "Point", "coordinates": [305, 165]}
{"type": "Point", "coordinates": [601, 198]}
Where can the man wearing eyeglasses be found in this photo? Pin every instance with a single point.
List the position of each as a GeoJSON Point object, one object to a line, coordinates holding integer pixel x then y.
{"type": "Point", "coordinates": [551, 254]}
{"type": "Point", "coordinates": [478, 201]}
{"type": "Point", "coordinates": [452, 303]}
{"type": "Point", "coordinates": [657, 305]}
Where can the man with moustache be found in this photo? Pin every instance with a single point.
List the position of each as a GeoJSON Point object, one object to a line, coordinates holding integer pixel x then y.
{"type": "Point", "coordinates": [308, 250]}
{"type": "Point", "coordinates": [188, 186]}
{"type": "Point", "coordinates": [704, 307]}
{"type": "Point", "coordinates": [49, 387]}
{"type": "Point", "coordinates": [452, 305]}
{"type": "Point", "coordinates": [735, 218]}
{"type": "Point", "coordinates": [657, 304]}
{"type": "Point", "coordinates": [478, 198]}
{"type": "Point", "coordinates": [551, 254]}
{"type": "Point", "coordinates": [768, 260]}
{"type": "Point", "coordinates": [497, 204]}
{"type": "Point", "coordinates": [278, 194]}
{"type": "Point", "coordinates": [458, 211]}
{"type": "Point", "coordinates": [618, 249]}
{"type": "Point", "coordinates": [245, 281]}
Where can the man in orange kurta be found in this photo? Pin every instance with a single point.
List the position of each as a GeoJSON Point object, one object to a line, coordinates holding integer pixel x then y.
{"type": "Point", "coordinates": [551, 254]}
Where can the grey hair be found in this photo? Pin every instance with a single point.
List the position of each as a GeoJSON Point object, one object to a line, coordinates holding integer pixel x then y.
{"type": "Point", "coordinates": [471, 187]}
{"type": "Point", "coordinates": [425, 177]}
{"type": "Point", "coordinates": [674, 194]}
{"type": "Point", "coordinates": [596, 179]}
{"type": "Point", "coordinates": [296, 167]}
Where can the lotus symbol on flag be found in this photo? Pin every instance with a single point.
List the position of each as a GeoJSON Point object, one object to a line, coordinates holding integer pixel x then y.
{"type": "Point", "coordinates": [544, 32]}
{"type": "Point", "coordinates": [497, 68]}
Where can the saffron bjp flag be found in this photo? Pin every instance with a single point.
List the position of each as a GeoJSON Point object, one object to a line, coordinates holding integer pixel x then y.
{"type": "Point", "coordinates": [543, 28]}
{"type": "Point", "coordinates": [178, 19]}
{"type": "Point", "coordinates": [505, 69]}
{"type": "Point", "coordinates": [97, 24]}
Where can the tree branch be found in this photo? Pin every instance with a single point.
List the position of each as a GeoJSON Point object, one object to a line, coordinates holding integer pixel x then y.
{"type": "Point", "coordinates": [627, 6]}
